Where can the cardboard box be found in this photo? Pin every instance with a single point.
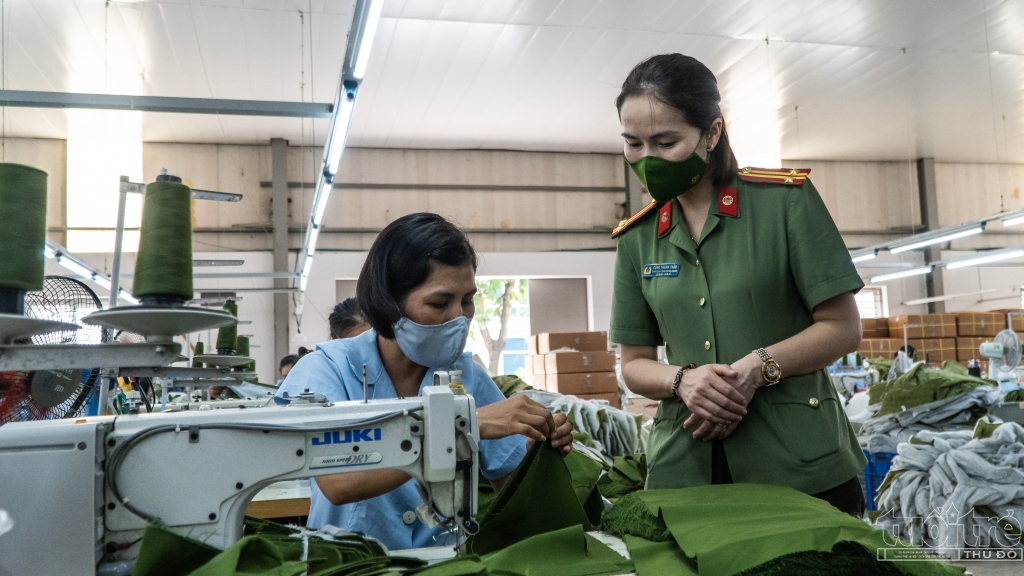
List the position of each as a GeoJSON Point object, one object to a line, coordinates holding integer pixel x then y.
{"type": "Point", "coordinates": [581, 341]}
{"type": "Point", "coordinates": [540, 381]}
{"type": "Point", "coordinates": [968, 348]}
{"type": "Point", "coordinates": [879, 347]}
{"type": "Point", "coordinates": [583, 383]}
{"type": "Point", "coordinates": [611, 397]}
{"type": "Point", "coordinates": [576, 362]}
{"type": "Point", "coordinates": [935, 351]}
{"type": "Point", "coordinates": [531, 345]}
{"type": "Point", "coordinates": [528, 364]}
{"type": "Point", "coordinates": [536, 364]}
{"type": "Point", "coordinates": [875, 327]}
{"type": "Point", "coordinates": [1016, 321]}
{"type": "Point", "coordinates": [979, 323]}
{"type": "Point", "coordinates": [923, 326]}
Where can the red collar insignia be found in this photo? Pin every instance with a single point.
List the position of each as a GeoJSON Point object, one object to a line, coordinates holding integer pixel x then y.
{"type": "Point", "coordinates": [728, 202]}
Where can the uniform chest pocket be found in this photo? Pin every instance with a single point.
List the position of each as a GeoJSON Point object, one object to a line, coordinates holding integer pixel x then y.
{"type": "Point", "coordinates": [806, 419]}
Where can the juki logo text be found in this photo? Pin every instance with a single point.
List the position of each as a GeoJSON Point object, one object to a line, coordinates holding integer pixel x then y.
{"type": "Point", "coordinates": [348, 436]}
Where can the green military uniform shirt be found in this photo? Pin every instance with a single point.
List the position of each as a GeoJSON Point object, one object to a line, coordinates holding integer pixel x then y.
{"type": "Point", "coordinates": [769, 253]}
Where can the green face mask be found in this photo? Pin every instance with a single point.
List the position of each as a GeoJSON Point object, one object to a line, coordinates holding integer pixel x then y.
{"type": "Point", "coordinates": [665, 179]}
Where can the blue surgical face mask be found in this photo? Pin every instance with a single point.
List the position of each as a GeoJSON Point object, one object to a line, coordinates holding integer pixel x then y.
{"type": "Point", "coordinates": [437, 346]}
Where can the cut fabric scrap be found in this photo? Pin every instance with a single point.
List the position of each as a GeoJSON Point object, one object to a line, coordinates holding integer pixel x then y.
{"type": "Point", "coordinates": [538, 497]}
{"type": "Point", "coordinates": [627, 474]}
{"type": "Point", "coordinates": [630, 516]}
{"type": "Point", "coordinates": [1014, 396]}
{"type": "Point", "coordinates": [957, 489]}
{"type": "Point", "coordinates": [921, 386]}
{"type": "Point", "coordinates": [251, 555]}
{"type": "Point", "coordinates": [652, 558]}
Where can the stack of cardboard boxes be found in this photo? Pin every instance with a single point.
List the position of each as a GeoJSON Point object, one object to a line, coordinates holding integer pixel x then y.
{"type": "Point", "coordinates": [936, 337]}
{"type": "Point", "coordinates": [588, 372]}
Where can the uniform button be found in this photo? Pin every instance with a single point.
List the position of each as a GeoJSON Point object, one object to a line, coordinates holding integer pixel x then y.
{"type": "Point", "coordinates": [813, 402]}
{"type": "Point", "coordinates": [698, 262]}
{"type": "Point", "coordinates": [701, 301]}
{"type": "Point", "coordinates": [707, 346]}
{"type": "Point", "coordinates": [409, 517]}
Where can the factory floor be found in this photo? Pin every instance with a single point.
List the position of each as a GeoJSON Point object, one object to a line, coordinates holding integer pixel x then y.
{"type": "Point", "coordinates": [647, 408]}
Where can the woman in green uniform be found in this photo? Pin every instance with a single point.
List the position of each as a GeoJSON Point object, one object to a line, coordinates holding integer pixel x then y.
{"type": "Point", "coordinates": [744, 277]}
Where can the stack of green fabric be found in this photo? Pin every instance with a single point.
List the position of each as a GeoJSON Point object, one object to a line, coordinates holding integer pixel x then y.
{"type": "Point", "coordinates": [882, 365]}
{"type": "Point", "coordinates": [268, 549]}
{"type": "Point", "coordinates": [753, 530]}
{"type": "Point", "coordinates": [921, 385]}
{"type": "Point", "coordinates": [1014, 396]}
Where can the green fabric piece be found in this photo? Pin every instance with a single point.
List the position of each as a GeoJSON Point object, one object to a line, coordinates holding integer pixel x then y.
{"type": "Point", "coordinates": [985, 429]}
{"type": "Point", "coordinates": [845, 559]}
{"type": "Point", "coordinates": [764, 522]}
{"type": "Point", "coordinates": [882, 365]}
{"type": "Point", "coordinates": [921, 385]}
{"type": "Point", "coordinates": [23, 234]}
{"type": "Point", "coordinates": [658, 558]}
{"type": "Point", "coordinates": [268, 549]}
{"type": "Point", "coordinates": [954, 367]}
{"type": "Point", "coordinates": [585, 472]}
{"type": "Point", "coordinates": [538, 497]}
{"type": "Point", "coordinates": [510, 384]}
{"type": "Point", "coordinates": [1015, 396]}
{"type": "Point", "coordinates": [627, 474]}
{"type": "Point", "coordinates": [462, 566]}
{"type": "Point", "coordinates": [163, 264]}
{"type": "Point", "coordinates": [566, 552]}
{"type": "Point", "coordinates": [164, 553]}
{"type": "Point", "coordinates": [631, 516]}
{"type": "Point", "coordinates": [251, 555]}
{"type": "Point", "coordinates": [227, 336]}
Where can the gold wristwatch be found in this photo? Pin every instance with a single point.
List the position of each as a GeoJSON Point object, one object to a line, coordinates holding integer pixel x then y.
{"type": "Point", "coordinates": [770, 369]}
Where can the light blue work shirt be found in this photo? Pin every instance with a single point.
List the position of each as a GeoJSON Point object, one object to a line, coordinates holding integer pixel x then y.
{"type": "Point", "coordinates": [335, 370]}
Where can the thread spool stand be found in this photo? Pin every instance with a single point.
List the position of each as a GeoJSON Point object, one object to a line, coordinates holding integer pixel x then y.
{"type": "Point", "coordinates": [160, 323]}
{"type": "Point", "coordinates": [15, 326]}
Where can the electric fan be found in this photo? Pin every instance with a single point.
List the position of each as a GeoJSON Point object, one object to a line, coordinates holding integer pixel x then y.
{"type": "Point", "coordinates": [51, 394]}
{"type": "Point", "coordinates": [1004, 357]}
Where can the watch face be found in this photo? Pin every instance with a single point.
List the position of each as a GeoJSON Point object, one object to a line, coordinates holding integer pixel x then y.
{"type": "Point", "coordinates": [772, 372]}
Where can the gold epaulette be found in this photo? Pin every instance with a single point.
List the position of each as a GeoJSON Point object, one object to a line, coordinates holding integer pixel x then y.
{"type": "Point", "coordinates": [790, 176]}
{"type": "Point", "coordinates": [632, 220]}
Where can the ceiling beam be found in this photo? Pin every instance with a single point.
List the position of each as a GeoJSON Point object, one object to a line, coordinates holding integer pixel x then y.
{"type": "Point", "coordinates": [33, 99]}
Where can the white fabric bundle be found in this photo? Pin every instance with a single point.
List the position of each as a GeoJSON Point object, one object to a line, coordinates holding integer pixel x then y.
{"type": "Point", "coordinates": [614, 432]}
{"type": "Point", "coordinates": [949, 490]}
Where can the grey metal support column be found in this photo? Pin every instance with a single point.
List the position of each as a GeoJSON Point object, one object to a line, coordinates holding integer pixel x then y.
{"type": "Point", "coordinates": [279, 202]}
{"type": "Point", "coordinates": [930, 219]}
{"type": "Point", "coordinates": [634, 192]}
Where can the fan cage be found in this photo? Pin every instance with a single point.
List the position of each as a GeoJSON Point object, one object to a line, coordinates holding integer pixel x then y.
{"type": "Point", "coordinates": [66, 300]}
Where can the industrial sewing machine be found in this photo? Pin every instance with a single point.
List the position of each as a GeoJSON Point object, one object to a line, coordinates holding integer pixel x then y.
{"type": "Point", "coordinates": [80, 492]}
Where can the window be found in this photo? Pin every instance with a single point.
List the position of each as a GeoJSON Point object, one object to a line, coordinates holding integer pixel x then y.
{"type": "Point", "coordinates": [872, 301]}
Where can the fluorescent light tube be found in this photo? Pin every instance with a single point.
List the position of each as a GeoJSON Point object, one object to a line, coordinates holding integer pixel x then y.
{"type": "Point", "coordinates": [939, 239]}
{"type": "Point", "coordinates": [901, 274]}
{"type": "Point", "coordinates": [314, 232]}
{"type": "Point", "coordinates": [1015, 220]}
{"type": "Point", "coordinates": [307, 265]}
{"type": "Point", "coordinates": [864, 257]}
{"type": "Point", "coordinates": [75, 267]}
{"type": "Point", "coordinates": [366, 42]}
{"type": "Point", "coordinates": [127, 297]}
{"type": "Point", "coordinates": [102, 281]}
{"type": "Point", "coordinates": [49, 252]}
{"type": "Point", "coordinates": [340, 133]}
{"type": "Point", "coordinates": [977, 260]}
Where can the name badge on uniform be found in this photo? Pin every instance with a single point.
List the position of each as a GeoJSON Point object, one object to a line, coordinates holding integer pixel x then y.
{"type": "Point", "coordinates": [658, 270]}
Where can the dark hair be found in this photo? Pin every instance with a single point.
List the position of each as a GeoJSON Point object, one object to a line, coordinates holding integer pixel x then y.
{"type": "Point", "coordinates": [288, 360]}
{"type": "Point", "coordinates": [303, 351]}
{"type": "Point", "coordinates": [344, 317]}
{"type": "Point", "coordinates": [401, 258]}
{"type": "Point", "coordinates": [687, 85]}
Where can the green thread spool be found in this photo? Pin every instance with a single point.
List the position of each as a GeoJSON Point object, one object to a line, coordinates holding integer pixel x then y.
{"type": "Point", "coordinates": [200, 348]}
{"type": "Point", "coordinates": [163, 266]}
{"type": "Point", "coordinates": [227, 337]}
{"type": "Point", "coordinates": [242, 349]}
{"type": "Point", "coordinates": [22, 234]}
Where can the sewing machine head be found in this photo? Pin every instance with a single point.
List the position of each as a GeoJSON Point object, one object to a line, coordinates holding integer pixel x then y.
{"type": "Point", "coordinates": [91, 485]}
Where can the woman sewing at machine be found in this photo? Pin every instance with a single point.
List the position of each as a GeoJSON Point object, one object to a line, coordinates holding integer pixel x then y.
{"type": "Point", "coordinates": [416, 290]}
